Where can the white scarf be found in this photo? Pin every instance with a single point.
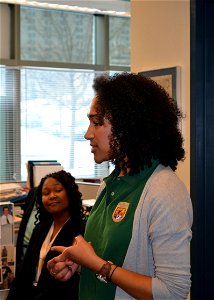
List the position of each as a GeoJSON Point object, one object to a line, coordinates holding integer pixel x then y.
{"type": "Point", "coordinates": [46, 246]}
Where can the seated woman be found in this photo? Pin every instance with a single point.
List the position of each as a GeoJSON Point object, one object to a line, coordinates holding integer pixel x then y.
{"type": "Point", "coordinates": [59, 220]}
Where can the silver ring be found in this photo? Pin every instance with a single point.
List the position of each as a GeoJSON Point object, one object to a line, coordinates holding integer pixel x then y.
{"type": "Point", "coordinates": [52, 273]}
{"type": "Point", "coordinates": [70, 267]}
{"type": "Point", "coordinates": [75, 240]}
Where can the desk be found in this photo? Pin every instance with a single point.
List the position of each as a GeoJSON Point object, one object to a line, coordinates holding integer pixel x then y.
{"type": "Point", "coordinates": [3, 294]}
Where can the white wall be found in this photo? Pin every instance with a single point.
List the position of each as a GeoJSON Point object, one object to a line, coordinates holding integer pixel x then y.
{"type": "Point", "coordinates": [160, 38]}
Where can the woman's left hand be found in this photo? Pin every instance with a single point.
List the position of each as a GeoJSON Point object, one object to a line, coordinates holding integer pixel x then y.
{"type": "Point", "coordinates": [60, 267]}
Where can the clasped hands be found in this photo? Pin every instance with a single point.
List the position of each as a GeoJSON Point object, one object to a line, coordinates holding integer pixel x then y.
{"type": "Point", "coordinates": [63, 266]}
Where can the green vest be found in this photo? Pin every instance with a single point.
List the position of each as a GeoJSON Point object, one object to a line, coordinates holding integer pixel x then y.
{"type": "Point", "coordinates": [109, 228]}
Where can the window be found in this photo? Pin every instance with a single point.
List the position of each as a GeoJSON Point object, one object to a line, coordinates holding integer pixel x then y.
{"type": "Point", "coordinates": [54, 106]}
{"type": "Point", "coordinates": [9, 126]}
{"type": "Point", "coordinates": [46, 90]}
{"type": "Point", "coordinates": [119, 41]}
{"type": "Point", "coordinates": [59, 36]}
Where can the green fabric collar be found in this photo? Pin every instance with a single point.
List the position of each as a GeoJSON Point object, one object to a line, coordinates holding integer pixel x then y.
{"type": "Point", "coordinates": [131, 180]}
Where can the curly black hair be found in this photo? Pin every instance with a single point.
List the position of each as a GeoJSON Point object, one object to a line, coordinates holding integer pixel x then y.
{"type": "Point", "coordinates": [144, 118]}
{"type": "Point", "coordinates": [72, 190]}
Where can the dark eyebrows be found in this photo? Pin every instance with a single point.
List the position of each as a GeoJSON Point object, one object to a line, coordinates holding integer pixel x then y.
{"type": "Point", "coordinates": [54, 185]}
{"type": "Point", "coordinates": [90, 116]}
{"type": "Point", "coordinates": [98, 117]}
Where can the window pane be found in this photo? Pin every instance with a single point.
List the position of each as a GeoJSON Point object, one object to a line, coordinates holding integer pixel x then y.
{"type": "Point", "coordinates": [119, 41]}
{"type": "Point", "coordinates": [57, 36]}
{"type": "Point", "coordinates": [54, 106]}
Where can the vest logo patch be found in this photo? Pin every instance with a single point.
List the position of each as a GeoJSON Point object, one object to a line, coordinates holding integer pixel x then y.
{"type": "Point", "coordinates": [120, 211]}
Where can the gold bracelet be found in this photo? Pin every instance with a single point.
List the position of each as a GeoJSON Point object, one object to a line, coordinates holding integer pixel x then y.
{"type": "Point", "coordinates": [103, 274]}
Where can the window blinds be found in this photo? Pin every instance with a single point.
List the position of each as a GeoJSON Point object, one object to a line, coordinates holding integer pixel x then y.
{"type": "Point", "coordinates": [49, 123]}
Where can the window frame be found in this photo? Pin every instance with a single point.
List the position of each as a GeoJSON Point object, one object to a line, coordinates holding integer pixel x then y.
{"type": "Point", "coordinates": [101, 60]}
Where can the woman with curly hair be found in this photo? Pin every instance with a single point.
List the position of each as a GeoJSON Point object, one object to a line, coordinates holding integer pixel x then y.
{"type": "Point", "coordinates": [137, 238]}
{"type": "Point", "coordinates": [58, 221]}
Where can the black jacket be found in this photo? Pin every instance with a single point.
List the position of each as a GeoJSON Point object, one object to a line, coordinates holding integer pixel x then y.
{"type": "Point", "coordinates": [48, 287]}
{"type": "Point", "coordinates": [28, 207]}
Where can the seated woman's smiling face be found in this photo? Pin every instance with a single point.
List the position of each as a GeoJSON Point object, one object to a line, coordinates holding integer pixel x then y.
{"type": "Point", "coordinates": [54, 197]}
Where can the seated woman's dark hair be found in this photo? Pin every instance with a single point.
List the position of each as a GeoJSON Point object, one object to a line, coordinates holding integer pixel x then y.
{"type": "Point", "coordinates": [144, 118]}
{"type": "Point", "coordinates": [73, 193]}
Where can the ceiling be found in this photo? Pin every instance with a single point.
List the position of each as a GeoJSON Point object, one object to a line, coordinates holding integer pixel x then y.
{"type": "Point", "coordinates": [116, 5]}
{"type": "Point", "coordinates": [105, 6]}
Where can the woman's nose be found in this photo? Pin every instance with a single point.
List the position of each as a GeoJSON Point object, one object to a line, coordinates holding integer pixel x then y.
{"type": "Point", "coordinates": [89, 134]}
{"type": "Point", "coordinates": [52, 195]}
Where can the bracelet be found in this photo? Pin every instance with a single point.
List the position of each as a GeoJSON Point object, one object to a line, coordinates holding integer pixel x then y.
{"type": "Point", "coordinates": [112, 273]}
{"type": "Point", "coordinates": [103, 274]}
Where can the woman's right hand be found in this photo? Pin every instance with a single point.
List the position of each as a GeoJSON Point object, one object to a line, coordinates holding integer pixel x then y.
{"type": "Point", "coordinates": [62, 267]}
